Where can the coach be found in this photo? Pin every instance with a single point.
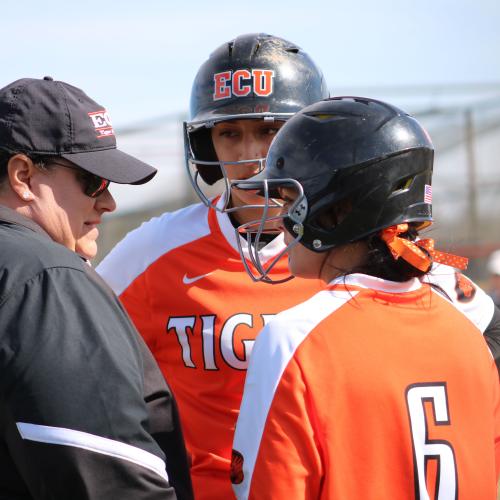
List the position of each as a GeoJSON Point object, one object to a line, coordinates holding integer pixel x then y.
{"type": "Point", "coordinates": [74, 422]}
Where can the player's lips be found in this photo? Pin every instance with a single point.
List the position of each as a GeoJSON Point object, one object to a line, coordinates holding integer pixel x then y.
{"type": "Point", "coordinates": [245, 170]}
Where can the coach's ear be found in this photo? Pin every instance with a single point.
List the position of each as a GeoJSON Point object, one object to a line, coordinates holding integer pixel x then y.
{"type": "Point", "coordinates": [20, 171]}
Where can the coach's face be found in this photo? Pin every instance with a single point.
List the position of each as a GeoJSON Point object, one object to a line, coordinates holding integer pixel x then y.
{"type": "Point", "coordinates": [55, 199]}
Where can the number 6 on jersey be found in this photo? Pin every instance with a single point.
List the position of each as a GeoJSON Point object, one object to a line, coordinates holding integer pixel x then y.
{"type": "Point", "coordinates": [425, 449]}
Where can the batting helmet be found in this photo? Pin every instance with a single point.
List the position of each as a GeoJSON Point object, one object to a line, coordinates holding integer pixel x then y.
{"type": "Point", "coordinates": [254, 76]}
{"type": "Point", "coordinates": [362, 150]}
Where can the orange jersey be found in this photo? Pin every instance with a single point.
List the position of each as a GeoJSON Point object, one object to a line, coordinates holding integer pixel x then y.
{"type": "Point", "coordinates": [182, 281]}
{"type": "Point", "coordinates": [369, 390]}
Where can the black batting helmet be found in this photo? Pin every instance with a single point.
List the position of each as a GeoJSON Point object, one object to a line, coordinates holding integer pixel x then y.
{"type": "Point", "coordinates": [364, 151]}
{"type": "Point", "coordinates": [254, 76]}
{"type": "Point", "coordinates": [369, 152]}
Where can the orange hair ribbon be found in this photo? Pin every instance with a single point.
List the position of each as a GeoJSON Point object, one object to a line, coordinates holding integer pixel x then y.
{"type": "Point", "coordinates": [412, 252]}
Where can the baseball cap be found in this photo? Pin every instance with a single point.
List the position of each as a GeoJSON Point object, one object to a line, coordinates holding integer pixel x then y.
{"type": "Point", "coordinates": [52, 118]}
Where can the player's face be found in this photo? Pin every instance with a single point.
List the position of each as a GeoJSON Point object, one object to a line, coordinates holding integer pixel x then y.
{"type": "Point", "coordinates": [241, 140]}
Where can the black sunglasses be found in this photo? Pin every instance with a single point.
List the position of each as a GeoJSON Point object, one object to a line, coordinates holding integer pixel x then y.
{"type": "Point", "coordinates": [93, 185]}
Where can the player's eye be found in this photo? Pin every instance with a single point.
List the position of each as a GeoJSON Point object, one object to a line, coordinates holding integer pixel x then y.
{"type": "Point", "coordinates": [228, 132]}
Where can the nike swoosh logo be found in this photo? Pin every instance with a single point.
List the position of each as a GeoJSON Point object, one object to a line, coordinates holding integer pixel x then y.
{"type": "Point", "coordinates": [189, 281]}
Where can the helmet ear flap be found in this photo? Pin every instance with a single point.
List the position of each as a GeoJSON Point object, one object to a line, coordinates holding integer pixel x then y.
{"type": "Point", "coordinates": [203, 149]}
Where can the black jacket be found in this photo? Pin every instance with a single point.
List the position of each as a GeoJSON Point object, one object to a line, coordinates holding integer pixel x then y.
{"type": "Point", "coordinates": [84, 410]}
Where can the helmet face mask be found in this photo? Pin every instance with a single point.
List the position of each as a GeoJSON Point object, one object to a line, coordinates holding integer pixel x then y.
{"type": "Point", "coordinates": [353, 152]}
{"type": "Point", "coordinates": [291, 216]}
{"type": "Point", "coordinates": [212, 177]}
{"type": "Point", "coordinates": [254, 77]}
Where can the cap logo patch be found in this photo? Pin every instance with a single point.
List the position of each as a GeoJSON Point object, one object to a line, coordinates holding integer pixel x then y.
{"type": "Point", "coordinates": [242, 82]}
{"type": "Point", "coordinates": [102, 123]}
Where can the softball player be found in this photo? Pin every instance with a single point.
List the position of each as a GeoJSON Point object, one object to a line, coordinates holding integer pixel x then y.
{"type": "Point", "coordinates": [180, 276]}
{"type": "Point", "coordinates": [377, 386]}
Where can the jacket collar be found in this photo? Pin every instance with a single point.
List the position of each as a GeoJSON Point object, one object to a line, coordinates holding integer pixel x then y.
{"type": "Point", "coordinates": [12, 217]}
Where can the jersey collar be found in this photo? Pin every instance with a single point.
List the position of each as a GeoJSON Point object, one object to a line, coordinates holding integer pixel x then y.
{"type": "Point", "coordinates": [379, 284]}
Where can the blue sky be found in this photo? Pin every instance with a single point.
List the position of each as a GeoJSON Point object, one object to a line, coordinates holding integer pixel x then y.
{"type": "Point", "coordinates": [139, 58]}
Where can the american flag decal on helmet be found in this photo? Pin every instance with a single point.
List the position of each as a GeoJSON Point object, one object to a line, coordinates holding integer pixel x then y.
{"type": "Point", "coordinates": [428, 194]}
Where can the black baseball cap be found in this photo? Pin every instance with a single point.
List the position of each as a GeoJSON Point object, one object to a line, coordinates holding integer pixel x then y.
{"type": "Point", "coordinates": [51, 118]}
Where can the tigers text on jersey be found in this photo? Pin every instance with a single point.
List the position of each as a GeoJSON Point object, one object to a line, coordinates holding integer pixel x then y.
{"type": "Point", "coordinates": [182, 281]}
{"type": "Point", "coordinates": [370, 389]}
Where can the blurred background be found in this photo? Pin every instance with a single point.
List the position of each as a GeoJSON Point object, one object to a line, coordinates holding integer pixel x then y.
{"type": "Point", "coordinates": [438, 59]}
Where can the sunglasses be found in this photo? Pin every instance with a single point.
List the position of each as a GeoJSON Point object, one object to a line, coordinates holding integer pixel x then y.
{"type": "Point", "coordinates": [93, 185]}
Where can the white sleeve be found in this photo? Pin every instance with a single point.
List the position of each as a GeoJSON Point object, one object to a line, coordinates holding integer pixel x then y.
{"type": "Point", "coordinates": [464, 294]}
{"type": "Point", "coordinates": [145, 245]}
